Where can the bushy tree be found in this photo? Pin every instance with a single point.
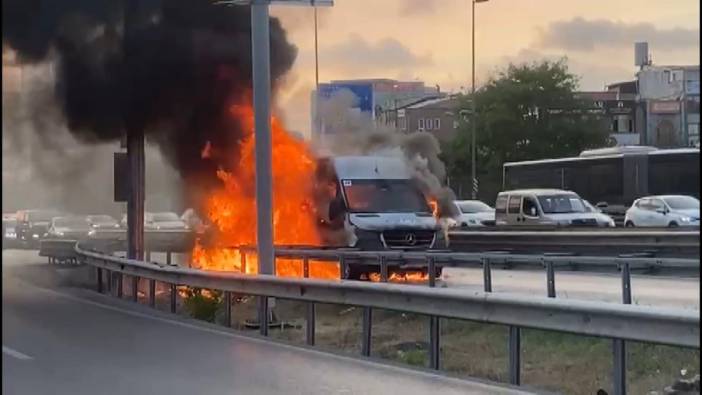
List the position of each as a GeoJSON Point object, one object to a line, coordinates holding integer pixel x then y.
{"type": "Point", "coordinates": [526, 112]}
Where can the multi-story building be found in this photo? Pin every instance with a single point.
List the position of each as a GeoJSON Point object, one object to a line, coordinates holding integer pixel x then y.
{"type": "Point", "coordinates": [438, 116]}
{"type": "Point", "coordinates": [670, 97]}
{"type": "Point", "coordinates": [617, 106]}
{"type": "Point", "coordinates": [378, 99]}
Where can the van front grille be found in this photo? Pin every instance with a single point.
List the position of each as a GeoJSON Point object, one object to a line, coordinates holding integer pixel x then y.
{"type": "Point", "coordinates": [408, 239]}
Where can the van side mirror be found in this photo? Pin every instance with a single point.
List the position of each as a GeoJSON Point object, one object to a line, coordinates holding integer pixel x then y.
{"type": "Point", "coordinates": [532, 211]}
{"type": "Point", "coordinates": [602, 205]}
{"type": "Point", "coordinates": [662, 211]}
{"type": "Point", "coordinates": [336, 209]}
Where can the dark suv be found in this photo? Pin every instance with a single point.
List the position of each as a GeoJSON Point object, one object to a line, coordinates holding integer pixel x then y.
{"type": "Point", "coordinates": [32, 225]}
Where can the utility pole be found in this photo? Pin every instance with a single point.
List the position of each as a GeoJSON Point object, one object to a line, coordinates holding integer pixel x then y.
{"type": "Point", "coordinates": [135, 148]}
{"type": "Point", "coordinates": [474, 193]}
{"type": "Point", "coordinates": [260, 40]}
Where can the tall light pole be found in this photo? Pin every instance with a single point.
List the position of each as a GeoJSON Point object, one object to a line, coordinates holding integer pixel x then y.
{"type": "Point", "coordinates": [473, 120]}
{"type": "Point", "coordinates": [317, 119]}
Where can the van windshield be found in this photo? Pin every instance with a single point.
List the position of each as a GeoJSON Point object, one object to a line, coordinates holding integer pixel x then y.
{"type": "Point", "coordinates": [559, 204]}
{"type": "Point", "coordinates": [384, 196]}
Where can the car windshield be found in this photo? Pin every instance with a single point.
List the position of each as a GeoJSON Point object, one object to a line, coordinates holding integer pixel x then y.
{"type": "Point", "coordinates": [560, 204]}
{"type": "Point", "coordinates": [165, 217]}
{"type": "Point", "coordinates": [474, 207]}
{"type": "Point", "coordinates": [682, 202]}
{"type": "Point", "coordinates": [72, 223]}
{"type": "Point", "coordinates": [384, 196]}
{"type": "Point", "coordinates": [101, 219]}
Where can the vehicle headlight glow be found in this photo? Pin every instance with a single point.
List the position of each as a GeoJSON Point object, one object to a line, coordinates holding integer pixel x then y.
{"type": "Point", "coordinates": [35, 236]}
{"type": "Point", "coordinates": [685, 219]}
{"type": "Point", "coordinates": [92, 232]}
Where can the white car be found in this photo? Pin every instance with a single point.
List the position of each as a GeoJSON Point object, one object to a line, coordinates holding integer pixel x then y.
{"type": "Point", "coordinates": [602, 218]}
{"type": "Point", "coordinates": [474, 213]}
{"type": "Point", "coordinates": [664, 210]}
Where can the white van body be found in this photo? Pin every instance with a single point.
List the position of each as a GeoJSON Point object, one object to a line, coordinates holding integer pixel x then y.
{"type": "Point", "coordinates": [382, 206]}
{"type": "Point", "coordinates": [543, 207]}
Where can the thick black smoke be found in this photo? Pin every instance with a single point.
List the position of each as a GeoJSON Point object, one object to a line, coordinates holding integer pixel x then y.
{"type": "Point", "coordinates": [174, 73]}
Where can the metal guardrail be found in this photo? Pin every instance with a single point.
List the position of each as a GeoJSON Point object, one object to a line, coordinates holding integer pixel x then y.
{"type": "Point", "coordinates": [622, 323]}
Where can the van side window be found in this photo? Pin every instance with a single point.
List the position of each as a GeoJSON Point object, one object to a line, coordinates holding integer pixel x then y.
{"type": "Point", "coordinates": [529, 207]}
{"type": "Point", "coordinates": [515, 202]}
{"type": "Point", "coordinates": [501, 204]}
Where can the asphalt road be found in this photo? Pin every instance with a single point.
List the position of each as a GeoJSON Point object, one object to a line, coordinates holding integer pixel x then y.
{"type": "Point", "coordinates": [63, 340]}
{"type": "Point", "coordinates": [649, 290]}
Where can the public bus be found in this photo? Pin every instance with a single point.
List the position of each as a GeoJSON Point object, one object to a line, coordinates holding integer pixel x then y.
{"type": "Point", "coordinates": [612, 178]}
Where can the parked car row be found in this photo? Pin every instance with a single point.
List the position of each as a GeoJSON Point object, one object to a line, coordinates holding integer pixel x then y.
{"type": "Point", "coordinates": [554, 207]}
{"type": "Point", "coordinates": [29, 227]}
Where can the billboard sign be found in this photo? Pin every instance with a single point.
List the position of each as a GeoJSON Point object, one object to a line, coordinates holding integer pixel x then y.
{"type": "Point", "coordinates": [665, 107]}
{"type": "Point", "coordinates": [692, 87]}
{"type": "Point", "coordinates": [363, 93]}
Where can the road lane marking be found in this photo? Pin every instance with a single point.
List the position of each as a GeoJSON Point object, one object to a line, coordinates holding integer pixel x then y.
{"type": "Point", "coordinates": [15, 354]}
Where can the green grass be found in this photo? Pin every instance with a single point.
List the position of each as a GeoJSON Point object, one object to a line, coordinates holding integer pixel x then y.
{"type": "Point", "coordinates": [553, 361]}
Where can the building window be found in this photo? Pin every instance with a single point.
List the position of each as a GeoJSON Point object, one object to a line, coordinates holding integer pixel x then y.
{"type": "Point", "coordinates": [430, 124]}
{"type": "Point", "coordinates": [420, 123]}
{"type": "Point", "coordinates": [437, 123]}
{"type": "Point", "coordinates": [631, 125]}
{"type": "Point", "coordinates": [403, 123]}
{"type": "Point", "coordinates": [614, 125]}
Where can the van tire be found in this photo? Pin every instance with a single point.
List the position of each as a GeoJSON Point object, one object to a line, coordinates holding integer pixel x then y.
{"type": "Point", "coordinates": [673, 224]}
{"type": "Point", "coordinates": [629, 224]}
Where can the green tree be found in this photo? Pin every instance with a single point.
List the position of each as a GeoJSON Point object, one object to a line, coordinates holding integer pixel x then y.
{"type": "Point", "coordinates": [525, 112]}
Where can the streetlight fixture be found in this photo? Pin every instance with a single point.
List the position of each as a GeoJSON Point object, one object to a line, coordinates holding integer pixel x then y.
{"type": "Point", "coordinates": [474, 195]}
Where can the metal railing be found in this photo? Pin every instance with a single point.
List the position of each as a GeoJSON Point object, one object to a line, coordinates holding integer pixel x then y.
{"type": "Point", "coordinates": [621, 322]}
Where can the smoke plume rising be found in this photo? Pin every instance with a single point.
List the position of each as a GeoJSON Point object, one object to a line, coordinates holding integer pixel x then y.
{"type": "Point", "coordinates": [356, 134]}
{"type": "Point", "coordinates": [173, 71]}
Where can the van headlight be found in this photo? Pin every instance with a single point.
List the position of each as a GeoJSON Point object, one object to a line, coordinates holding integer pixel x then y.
{"type": "Point", "coordinates": [92, 232]}
{"type": "Point", "coordinates": [685, 219]}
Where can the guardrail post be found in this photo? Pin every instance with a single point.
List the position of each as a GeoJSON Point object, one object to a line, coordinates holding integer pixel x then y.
{"type": "Point", "coordinates": [305, 267]}
{"type": "Point", "coordinates": [342, 267]}
{"type": "Point", "coordinates": [311, 309]}
{"type": "Point", "coordinates": [228, 307]}
{"type": "Point", "coordinates": [619, 345]}
{"type": "Point", "coordinates": [550, 280]}
{"type": "Point", "coordinates": [173, 298]}
{"type": "Point", "coordinates": [108, 275]}
{"type": "Point", "coordinates": [120, 276]}
{"type": "Point", "coordinates": [515, 355]}
{"type": "Point", "coordinates": [135, 289]}
{"type": "Point", "coordinates": [367, 333]}
{"type": "Point", "coordinates": [431, 268]}
{"type": "Point", "coordinates": [434, 323]}
{"type": "Point", "coordinates": [383, 269]}
{"type": "Point", "coordinates": [434, 343]}
{"type": "Point", "coordinates": [487, 275]}
{"type": "Point", "coordinates": [263, 314]}
{"type": "Point", "coordinates": [152, 293]}
{"type": "Point", "coordinates": [98, 272]}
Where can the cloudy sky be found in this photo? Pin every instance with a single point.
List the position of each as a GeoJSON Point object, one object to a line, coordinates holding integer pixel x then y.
{"type": "Point", "coordinates": [429, 40]}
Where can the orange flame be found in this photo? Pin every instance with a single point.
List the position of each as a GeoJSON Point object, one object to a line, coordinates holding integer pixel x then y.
{"type": "Point", "coordinates": [232, 208]}
{"type": "Point", "coordinates": [405, 277]}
